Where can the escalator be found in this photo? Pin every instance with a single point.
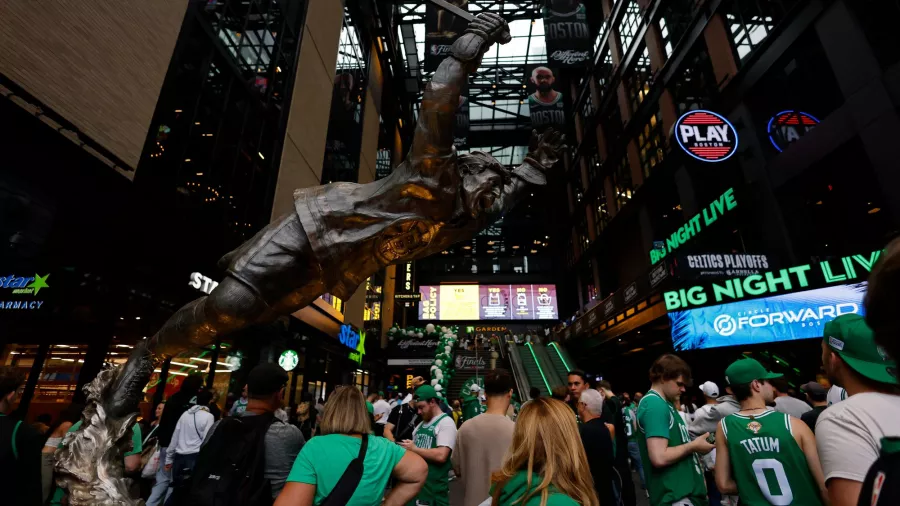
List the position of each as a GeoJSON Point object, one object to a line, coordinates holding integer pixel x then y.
{"type": "Point", "coordinates": [532, 369]}
{"type": "Point", "coordinates": [560, 360]}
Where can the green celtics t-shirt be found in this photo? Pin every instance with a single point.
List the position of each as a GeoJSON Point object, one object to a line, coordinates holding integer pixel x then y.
{"type": "Point", "coordinates": [656, 417]}
{"type": "Point", "coordinates": [517, 487]}
{"type": "Point", "coordinates": [323, 460]}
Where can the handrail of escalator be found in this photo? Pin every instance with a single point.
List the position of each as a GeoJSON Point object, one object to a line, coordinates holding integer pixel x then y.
{"type": "Point", "coordinates": [559, 354]}
{"type": "Point", "coordinates": [518, 372]}
{"type": "Point", "coordinates": [538, 364]}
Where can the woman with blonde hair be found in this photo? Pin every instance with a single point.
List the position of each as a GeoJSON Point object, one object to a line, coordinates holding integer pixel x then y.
{"type": "Point", "coordinates": [545, 464]}
{"type": "Point", "coordinates": [344, 435]}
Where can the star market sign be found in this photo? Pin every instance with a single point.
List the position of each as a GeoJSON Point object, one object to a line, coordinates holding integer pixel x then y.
{"type": "Point", "coordinates": [348, 337]}
{"type": "Point", "coordinates": [357, 356]}
{"type": "Point", "coordinates": [709, 215]}
{"type": "Point", "coordinates": [24, 285]}
{"type": "Point", "coordinates": [706, 136]}
{"type": "Point", "coordinates": [288, 360]}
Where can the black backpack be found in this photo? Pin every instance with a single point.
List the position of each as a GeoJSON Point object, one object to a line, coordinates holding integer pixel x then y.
{"type": "Point", "coordinates": [230, 467]}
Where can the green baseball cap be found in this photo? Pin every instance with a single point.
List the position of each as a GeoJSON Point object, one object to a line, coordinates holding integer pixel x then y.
{"type": "Point", "coordinates": [370, 407]}
{"type": "Point", "coordinates": [745, 370]}
{"type": "Point", "coordinates": [851, 338]}
{"type": "Point", "coordinates": [426, 393]}
{"type": "Point", "coordinates": [381, 393]}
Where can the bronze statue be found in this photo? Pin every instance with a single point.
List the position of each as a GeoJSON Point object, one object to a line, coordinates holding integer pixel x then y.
{"type": "Point", "coordinates": [342, 233]}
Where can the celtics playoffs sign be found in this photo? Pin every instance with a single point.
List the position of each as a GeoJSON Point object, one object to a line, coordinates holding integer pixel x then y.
{"type": "Point", "coordinates": [841, 270]}
{"type": "Point", "coordinates": [706, 136]}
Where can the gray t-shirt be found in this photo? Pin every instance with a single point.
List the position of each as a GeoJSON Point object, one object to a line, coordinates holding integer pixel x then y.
{"type": "Point", "coordinates": [283, 443]}
{"type": "Point", "coordinates": [481, 444]}
{"type": "Point", "coordinates": [791, 406]}
{"type": "Point", "coordinates": [848, 434]}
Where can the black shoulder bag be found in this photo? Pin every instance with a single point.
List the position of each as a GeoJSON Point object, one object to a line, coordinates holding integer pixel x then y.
{"type": "Point", "coordinates": [346, 486]}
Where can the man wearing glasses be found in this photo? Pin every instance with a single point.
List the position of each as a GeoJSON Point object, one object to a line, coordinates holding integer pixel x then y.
{"type": "Point", "coordinates": [20, 445]}
{"type": "Point", "coordinates": [672, 468]}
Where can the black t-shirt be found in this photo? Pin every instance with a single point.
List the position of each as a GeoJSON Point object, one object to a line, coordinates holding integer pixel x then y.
{"type": "Point", "coordinates": [404, 419]}
{"type": "Point", "coordinates": [811, 416]}
{"type": "Point", "coordinates": [882, 484]}
{"type": "Point", "coordinates": [21, 470]}
{"type": "Point", "coordinates": [599, 448]}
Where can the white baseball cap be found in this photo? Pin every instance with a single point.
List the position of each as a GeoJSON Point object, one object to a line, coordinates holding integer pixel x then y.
{"type": "Point", "coordinates": [474, 388]}
{"type": "Point", "coordinates": [710, 389]}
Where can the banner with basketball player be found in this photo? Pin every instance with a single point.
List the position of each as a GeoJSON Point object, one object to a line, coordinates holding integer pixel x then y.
{"type": "Point", "coordinates": [567, 33]}
{"type": "Point", "coordinates": [546, 104]}
{"type": "Point", "coordinates": [442, 28]}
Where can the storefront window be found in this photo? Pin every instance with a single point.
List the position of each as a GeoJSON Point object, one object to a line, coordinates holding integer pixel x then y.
{"type": "Point", "coordinates": [361, 380]}
{"type": "Point", "coordinates": [317, 389]}
{"type": "Point", "coordinates": [58, 377]}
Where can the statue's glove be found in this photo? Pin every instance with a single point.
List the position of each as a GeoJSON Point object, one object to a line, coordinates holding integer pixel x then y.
{"type": "Point", "coordinates": [543, 153]}
{"type": "Point", "coordinates": [484, 30]}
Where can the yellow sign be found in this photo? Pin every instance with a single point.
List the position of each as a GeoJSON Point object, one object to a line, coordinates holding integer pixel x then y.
{"type": "Point", "coordinates": [459, 302]}
{"type": "Point", "coordinates": [409, 380]}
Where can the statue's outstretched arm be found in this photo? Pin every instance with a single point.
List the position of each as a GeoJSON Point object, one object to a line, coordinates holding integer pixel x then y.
{"type": "Point", "coordinates": [433, 140]}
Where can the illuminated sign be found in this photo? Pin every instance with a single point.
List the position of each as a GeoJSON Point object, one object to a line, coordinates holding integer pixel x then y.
{"type": "Point", "coordinates": [798, 315]}
{"type": "Point", "coordinates": [488, 302]}
{"type": "Point", "coordinates": [782, 280]}
{"type": "Point", "coordinates": [409, 381]}
{"type": "Point", "coordinates": [787, 127]}
{"type": "Point", "coordinates": [288, 360]}
{"type": "Point", "coordinates": [407, 277]}
{"type": "Point", "coordinates": [348, 337]}
{"type": "Point", "coordinates": [203, 283]}
{"type": "Point", "coordinates": [408, 296]}
{"type": "Point", "coordinates": [694, 226]}
{"type": "Point", "coordinates": [706, 136]}
{"type": "Point", "coordinates": [495, 328]}
{"type": "Point", "coordinates": [357, 356]}
{"type": "Point", "coordinates": [721, 265]}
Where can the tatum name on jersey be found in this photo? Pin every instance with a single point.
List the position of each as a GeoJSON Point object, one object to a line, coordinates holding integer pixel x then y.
{"type": "Point", "coordinates": [768, 465]}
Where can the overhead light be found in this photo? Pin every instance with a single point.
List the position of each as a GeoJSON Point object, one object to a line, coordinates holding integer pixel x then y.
{"type": "Point", "coordinates": [177, 110]}
{"type": "Point", "coordinates": [260, 155]}
{"type": "Point", "coordinates": [874, 210]}
{"type": "Point", "coordinates": [819, 203]}
{"type": "Point", "coordinates": [533, 251]}
{"type": "Point", "coordinates": [185, 365]}
{"type": "Point", "coordinates": [137, 317]}
{"type": "Point", "coordinates": [516, 247]}
{"type": "Point", "coordinates": [201, 359]}
{"type": "Point", "coordinates": [196, 122]}
{"type": "Point", "coordinates": [277, 69]}
{"type": "Point", "coordinates": [124, 346]}
{"type": "Point", "coordinates": [199, 173]}
{"type": "Point", "coordinates": [490, 251]}
{"type": "Point", "coordinates": [187, 159]}
{"type": "Point", "coordinates": [176, 373]}
{"type": "Point", "coordinates": [65, 359]}
{"type": "Point", "coordinates": [467, 247]}
{"type": "Point", "coordinates": [121, 317]}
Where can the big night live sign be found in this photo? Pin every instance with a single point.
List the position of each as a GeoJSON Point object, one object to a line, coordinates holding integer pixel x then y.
{"type": "Point", "coordinates": [706, 136]}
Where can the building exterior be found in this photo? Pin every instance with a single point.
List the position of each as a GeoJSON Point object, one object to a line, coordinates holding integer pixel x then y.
{"type": "Point", "coordinates": [214, 113]}
{"type": "Point", "coordinates": [807, 88]}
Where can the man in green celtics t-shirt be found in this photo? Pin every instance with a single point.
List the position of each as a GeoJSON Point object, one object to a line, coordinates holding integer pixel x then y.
{"type": "Point", "coordinates": [764, 456]}
{"type": "Point", "coordinates": [672, 469]}
{"type": "Point", "coordinates": [433, 440]}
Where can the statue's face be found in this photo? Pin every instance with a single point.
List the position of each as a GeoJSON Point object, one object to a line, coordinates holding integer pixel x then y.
{"type": "Point", "coordinates": [481, 188]}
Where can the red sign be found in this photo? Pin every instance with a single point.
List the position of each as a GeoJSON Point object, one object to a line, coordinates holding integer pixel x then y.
{"type": "Point", "coordinates": [706, 136]}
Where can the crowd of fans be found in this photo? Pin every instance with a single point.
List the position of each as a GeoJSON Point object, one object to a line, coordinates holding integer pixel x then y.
{"type": "Point", "coordinates": [834, 442]}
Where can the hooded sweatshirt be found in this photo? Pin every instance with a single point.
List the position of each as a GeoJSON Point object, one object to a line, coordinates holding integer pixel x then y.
{"type": "Point", "coordinates": [707, 417]}
{"type": "Point", "coordinates": [190, 432]}
{"type": "Point", "coordinates": [517, 486]}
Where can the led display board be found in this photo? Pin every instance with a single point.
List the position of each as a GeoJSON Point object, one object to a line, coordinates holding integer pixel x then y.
{"type": "Point", "coordinates": [798, 315]}
{"type": "Point", "coordinates": [488, 302]}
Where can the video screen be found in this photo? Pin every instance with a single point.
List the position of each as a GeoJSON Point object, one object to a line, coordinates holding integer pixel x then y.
{"type": "Point", "coordinates": [488, 302]}
{"type": "Point", "coordinates": [799, 315]}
